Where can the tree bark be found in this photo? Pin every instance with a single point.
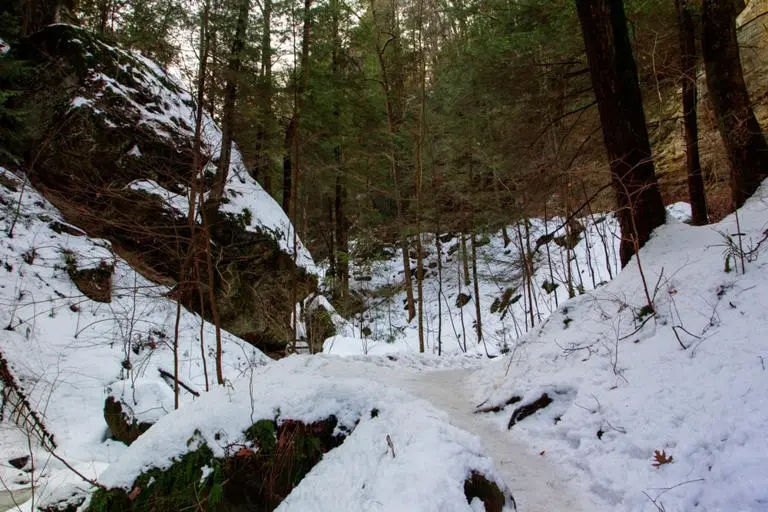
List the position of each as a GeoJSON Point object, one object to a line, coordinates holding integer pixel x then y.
{"type": "Point", "coordinates": [392, 81]}
{"type": "Point", "coordinates": [290, 134]}
{"type": "Point", "coordinates": [736, 121]}
{"type": "Point", "coordinates": [476, 284]}
{"type": "Point", "coordinates": [614, 79]}
{"type": "Point", "coordinates": [263, 171]}
{"type": "Point", "coordinates": [228, 110]}
{"type": "Point", "coordinates": [341, 225]}
{"type": "Point", "coordinates": [696, 192]}
{"type": "Point", "coordinates": [198, 243]}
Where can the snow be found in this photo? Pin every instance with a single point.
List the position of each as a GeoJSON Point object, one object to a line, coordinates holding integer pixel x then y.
{"type": "Point", "coordinates": [630, 388]}
{"type": "Point", "coordinates": [80, 102]}
{"type": "Point", "coordinates": [689, 380]}
{"type": "Point", "coordinates": [172, 115]}
{"type": "Point", "coordinates": [177, 203]}
{"type": "Point", "coordinates": [135, 151]}
{"type": "Point", "coordinates": [680, 211]}
{"type": "Point", "coordinates": [68, 351]}
{"type": "Point", "coordinates": [593, 261]}
{"type": "Point", "coordinates": [623, 386]}
{"type": "Point", "coordinates": [361, 474]}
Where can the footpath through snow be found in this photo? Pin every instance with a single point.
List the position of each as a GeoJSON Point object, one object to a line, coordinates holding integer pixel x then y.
{"type": "Point", "coordinates": [538, 483]}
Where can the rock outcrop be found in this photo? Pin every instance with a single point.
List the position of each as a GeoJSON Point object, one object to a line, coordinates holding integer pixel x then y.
{"type": "Point", "coordinates": [108, 138]}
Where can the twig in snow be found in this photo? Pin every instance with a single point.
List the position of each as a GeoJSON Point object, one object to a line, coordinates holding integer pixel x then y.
{"type": "Point", "coordinates": [658, 504]}
{"type": "Point", "coordinates": [391, 445]}
{"type": "Point", "coordinates": [169, 375]}
{"type": "Point", "coordinates": [640, 328]}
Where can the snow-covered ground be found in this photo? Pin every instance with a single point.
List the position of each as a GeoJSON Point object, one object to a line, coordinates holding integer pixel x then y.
{"type": "Point", "coordinates": [406, 440]}
{"type": "Point", "coordinates": [450, 327]}
{"type": "Point", "coordinates": [687, 379]}
{"type": "Point", "coordinates": [68, 352]}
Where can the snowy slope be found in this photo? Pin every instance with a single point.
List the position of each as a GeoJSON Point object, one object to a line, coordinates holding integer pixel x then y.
{"type": "Point", "coordinates": [593, 260]}
{"type": "Point", "coordinates": [68, 351]}
{"type": "Point", "coordinates": [689, 381]}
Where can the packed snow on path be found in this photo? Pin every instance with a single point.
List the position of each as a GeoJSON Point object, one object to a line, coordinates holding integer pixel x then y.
{"type": "Point", "coordinates": [538, 484]}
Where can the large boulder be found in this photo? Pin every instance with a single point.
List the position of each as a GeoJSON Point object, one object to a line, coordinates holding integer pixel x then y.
{"type": "Point", "coordinates": [108, 138]}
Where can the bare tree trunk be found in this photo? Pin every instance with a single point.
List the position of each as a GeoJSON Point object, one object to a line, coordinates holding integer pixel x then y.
{"type": "Point", "coordinates": [392, 82]}
{"type": "Point", "coordinates": [341, 224]}
{"type": "Point", "coordinates": [263, 170]}
{"type": "Point", "coordinates": [614, 79]}
{"type": "Point", "coordinates": [476, 283]}
{"type": "Point", "coordinates": [420, 177]}
{"type": "Point", "coordinates": [290, 135]}
{"type": "Point", "coordinates": [228, 110]}
{"type": "Point", "coordinates": [176, 353]}
{"type": "Point", "coordinates": [195, 190]}
{"type": "Point", "coordinates": [465, 258]}
{"type": "Point", "coordinates": [297, 170]}
{"type": "Point", "coordinates": [212, 300]}
{"type": "Point", "coordinates": [696, 193]}
{"type": "Point", "coordinates": [736, 121]}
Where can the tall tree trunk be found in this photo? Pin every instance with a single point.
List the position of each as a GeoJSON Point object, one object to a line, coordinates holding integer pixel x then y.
{"type": "Point", "coordinates": [228, 110]}
{"type": "Point", "coordinates": [476, 284]}
{"type": "Point", "coordinates": [263, 171]}
{"type": "Point", "coordinates": [213, 202]}
{"type": "Point", "coordinates": [614, 79]}
{"type": "Point", "coordinates": [392, 81]}
{"type": "Point", "coordinates": [420, 139]}
{"type": "Point", "coordinates": [341, 224]}
{"type": "Point", "coordinates": [696, 193]}
{"type": "Point", "coordinates": [104, 11]}
{"type": "Point", "coordinates": [290, 135]}
{"type": "Point", "coordinates": [197, 242]}
{"type": "Point", "coordinates": [736, 121]}
{"type": "Point", "coordinates": [298, 105]}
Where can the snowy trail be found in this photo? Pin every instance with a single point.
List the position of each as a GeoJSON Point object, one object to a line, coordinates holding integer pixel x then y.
{"type": "Point", "coordinates": [537, 483]}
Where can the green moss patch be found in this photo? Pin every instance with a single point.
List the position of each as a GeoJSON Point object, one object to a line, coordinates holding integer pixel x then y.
{"type": "Point", "coordinates": [255, 475]}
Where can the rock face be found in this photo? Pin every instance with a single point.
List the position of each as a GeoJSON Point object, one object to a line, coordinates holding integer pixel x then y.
{"type": "Point", "coordinates": [122, 427]}
{"type": "Point", "coordinates": [109, 140]}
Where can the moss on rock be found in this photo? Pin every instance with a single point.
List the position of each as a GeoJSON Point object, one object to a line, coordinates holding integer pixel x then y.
{"type": "Point", "coordinates": [254, 476]}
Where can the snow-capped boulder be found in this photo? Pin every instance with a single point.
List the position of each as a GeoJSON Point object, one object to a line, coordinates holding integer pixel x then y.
{"type": "Point", "coordinates": [305, 442]}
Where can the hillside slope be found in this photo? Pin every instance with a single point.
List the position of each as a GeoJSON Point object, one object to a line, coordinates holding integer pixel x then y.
{"type": "Point", "coordinates": [108, 137]}
{"type": "Point", "coordinates": [81, 325]}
